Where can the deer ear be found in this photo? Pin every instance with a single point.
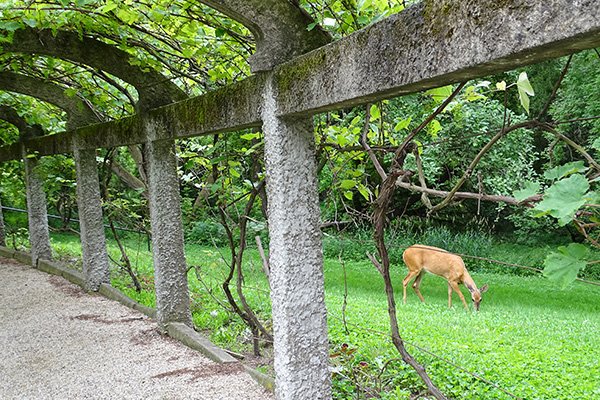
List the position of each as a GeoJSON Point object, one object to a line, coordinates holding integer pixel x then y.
{"type": "Point", "coordinates": [483, 289]}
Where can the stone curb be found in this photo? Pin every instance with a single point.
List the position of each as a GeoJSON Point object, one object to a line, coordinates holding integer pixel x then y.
{"type": "Point", "coordinates": [6, 252]}
{"type": "Point", "coordinates": [22, 257]}
{"type": "Point", "coordinates": [264, 380]}
{"type": "Point", "coordinates": [69, 274]}
{"type": "Point", "coordinates": [176, 330]}
{"type": "Point", "coordinates": [194, 340]}
{"type": "Point", "coordinates": [115, 294]}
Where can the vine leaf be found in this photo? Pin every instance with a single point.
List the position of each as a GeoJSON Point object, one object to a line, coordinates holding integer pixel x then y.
{"type": "Point", "coordinates": [564, 265]}
{"type": "Point", "coordinates": [530, 189]}
{"type": "Point", "coordinates": [596, 144]}
{"type": "Point", "coordinates": [564, 198]}
{"type": "Point", "coordinates": [440, 94]}
{"type": "Point", "coordinates": [525, 90]}
{"type": "Point", "coordinates": [561, 171]}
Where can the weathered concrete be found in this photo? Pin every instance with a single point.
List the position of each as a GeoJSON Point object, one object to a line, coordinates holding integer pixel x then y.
{"type": "Point", "coordinates": [78, 112]}
{"type": "Point", "coordinates": [296, 259]}
{"type": "Point", "coordinates": [12, 151]}
{"type": "Point", "coordinates": [194, 340]}
{"type": "Point", "coordinates": [89, 205]}
{"type": "Point", "coordinates": [7, 252]}
{"type": "Point", "coordinates": [231, 108]}
{"type": "Point", "coordinates": [154, 89]}
{"type": "Point", "coordinates": [435, 43]}
{"type": "Point", "coordinates": [23, 257]}
{"type": "Point", "coordinates": [37, 213]}
{"type": "Point", "coordinates": [115, 294]}
{"type": "Point", "coordinates": [280, 29]}
{"type": "Point", "coordinates": [26, 130]}
{"type": "Point", "coordinates": [170, 269]}
{"type": "Point", "coordinates": [428, 45]}
{"type": "Point", "coordinates": [54, 268]}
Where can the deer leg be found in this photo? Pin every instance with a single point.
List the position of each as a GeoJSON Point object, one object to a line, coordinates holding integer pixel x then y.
{"type": "Point", "coordinates": [417, 284]}
{"type": "Point", "coordinates": [449, 295]}
{"type": "Point", "coordinates": [457, 290]}
{"type": "Point", "coordinates": [411, 274]}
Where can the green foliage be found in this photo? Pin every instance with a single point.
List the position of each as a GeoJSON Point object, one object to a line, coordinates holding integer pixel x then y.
{"type": "Point", "coordinates": [342, 17]}
{"type": "Point", "coordinates": [530, 189]}
{"type": "Point", "coordinates": [564, 265]}
{"type": "Point", "coordinates": [560, 171]}
{"type": "Point", "coordinates": [564, 198]}
{"type": "Point", "coordinates": [207, 233]}
{"type": "Point", "coordinates": [578, 98]}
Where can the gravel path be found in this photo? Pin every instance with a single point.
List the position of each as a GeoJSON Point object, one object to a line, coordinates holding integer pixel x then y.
{"type": "Point", "coordinates": [57, 342]}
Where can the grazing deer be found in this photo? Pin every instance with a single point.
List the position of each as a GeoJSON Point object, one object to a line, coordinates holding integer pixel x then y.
{"type": "Point", "coordinates": [419, 258]}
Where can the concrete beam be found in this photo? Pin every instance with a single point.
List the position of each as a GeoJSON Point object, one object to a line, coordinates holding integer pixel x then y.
{"type": "Point", "coordinates": [79, 113]}
{"type": "Point", "coordinates": [10, 115]}
{"type": "Point", "coordinates": [432, 44]}
{"type": "Point", "coordinates": [231, 108]}
{"type": "Point", "coordinates": [154, 89]}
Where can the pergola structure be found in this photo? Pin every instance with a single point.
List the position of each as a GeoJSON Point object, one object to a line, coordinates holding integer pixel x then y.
{"type": "Point", "coordinates": [296, 73]}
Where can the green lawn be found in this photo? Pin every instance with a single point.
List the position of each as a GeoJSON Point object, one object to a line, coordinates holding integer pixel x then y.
{"type": "Point", "coordinates": [530, 338]}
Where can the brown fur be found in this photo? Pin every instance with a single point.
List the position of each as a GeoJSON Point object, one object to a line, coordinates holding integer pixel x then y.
{"type": "Point", "coordinates": [420, 259]}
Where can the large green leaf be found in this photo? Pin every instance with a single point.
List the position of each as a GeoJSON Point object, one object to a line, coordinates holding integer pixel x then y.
{"type": "Point", "coordinates": [561, 171]}
{"type": "Point", "coordinates": [564, 265]}
{"type": "Point", "coordinates": [402, 124]}
{"type": "Point", "coordinates": [530, 189]}
{"type": "Point", "coordinates": [440, 94]}
{"type": "Point", "coordinates": [375, 112]}
{"type": "Point", "coordinates": [347, 183]}
{"type": "Point", "coordinates": [564, 198]}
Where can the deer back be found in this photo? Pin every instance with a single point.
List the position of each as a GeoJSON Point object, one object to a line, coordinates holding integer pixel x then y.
{"type": "Point", "coordinates": [434, 260]}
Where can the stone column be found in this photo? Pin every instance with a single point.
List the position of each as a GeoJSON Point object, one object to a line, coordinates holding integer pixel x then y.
{"type": "Point", "coordinates": [170, 268]}
{"type": "Point", "coordinates": [89, 205]}
{"type": "Point", "coordinates": [296, 258]}
{"type": "Point", "coordinates": [39, 234]}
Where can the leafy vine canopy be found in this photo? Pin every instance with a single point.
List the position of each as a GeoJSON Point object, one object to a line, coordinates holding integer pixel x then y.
{"type": "Point", "coordinates": [186, 43]}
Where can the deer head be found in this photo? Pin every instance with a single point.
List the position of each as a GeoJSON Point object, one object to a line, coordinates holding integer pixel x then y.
{"type": "Point", "coordinates": [476, 295]}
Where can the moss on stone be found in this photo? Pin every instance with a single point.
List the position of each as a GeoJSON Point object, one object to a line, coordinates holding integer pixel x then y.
{"type": "Point", "coordinates": [302, 68]}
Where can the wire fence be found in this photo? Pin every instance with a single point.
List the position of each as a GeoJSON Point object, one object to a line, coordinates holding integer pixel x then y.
{"type": "Point", "coordinates": [74, 220]}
